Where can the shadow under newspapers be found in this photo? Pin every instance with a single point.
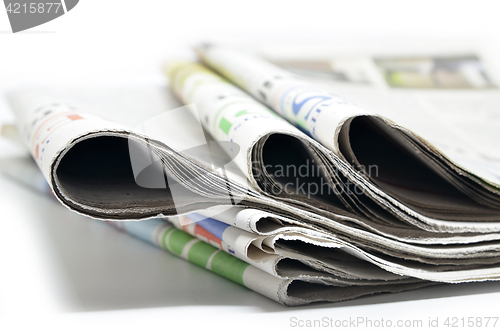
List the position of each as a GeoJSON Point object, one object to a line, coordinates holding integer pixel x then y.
{"type": "Point", "coordinates": [105, 269]}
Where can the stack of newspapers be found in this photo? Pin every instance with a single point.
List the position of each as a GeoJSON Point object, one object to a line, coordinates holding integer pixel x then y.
{"type": "Point", "coordinates": [270, 181]}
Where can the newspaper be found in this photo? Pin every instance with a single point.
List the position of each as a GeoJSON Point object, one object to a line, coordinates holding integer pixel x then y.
{"type": "Point", "coordinates": [431, 190]}
{"type": "Point", "coordinates": [225, 156]}
{"type": "Point", "coordinates": [383, 233]}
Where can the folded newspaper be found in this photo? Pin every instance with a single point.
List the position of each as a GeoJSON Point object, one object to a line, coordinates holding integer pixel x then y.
{"type": "Point", "coordinates": [305, 187]}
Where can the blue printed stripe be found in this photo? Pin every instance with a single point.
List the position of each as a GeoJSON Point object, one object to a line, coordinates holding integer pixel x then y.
{"type": "Point", "coordinates": [213, 226]}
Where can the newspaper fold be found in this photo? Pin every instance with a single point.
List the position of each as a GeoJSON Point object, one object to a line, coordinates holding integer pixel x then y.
{"type": "Point", "coordinates": [414, 181]}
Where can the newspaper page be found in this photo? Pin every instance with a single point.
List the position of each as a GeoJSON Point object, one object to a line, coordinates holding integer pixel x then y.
{"type": "Point", "coordinates": [438, 96]}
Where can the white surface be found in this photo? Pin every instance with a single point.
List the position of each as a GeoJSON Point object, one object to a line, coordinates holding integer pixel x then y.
{"type": "Point", "coordinates": [62, 271]}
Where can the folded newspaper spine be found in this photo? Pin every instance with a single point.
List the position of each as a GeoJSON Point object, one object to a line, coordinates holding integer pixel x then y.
{"type": "Point", "coordinates": [107, 170]}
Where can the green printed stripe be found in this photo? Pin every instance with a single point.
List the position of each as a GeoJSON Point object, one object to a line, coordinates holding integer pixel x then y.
{"type": "Point", "coordinates": [256, 111]}
{"type": "Point", "coordinates": [225, 125]}
{"type": "Point", "coordinates": [163, 242]}
{"type": "Point", "coordinates": [229, 266]}
{"type": "Point", "coordinates": [177, 240]}
{"type": "Point", "coordinates": [227, 105]}
{"type": "Point", "coordinates": [200, 253]}
{"type": "Point", "coordinates": [242, 112]}
{"type": "Point", "coordinates": [222, 263]}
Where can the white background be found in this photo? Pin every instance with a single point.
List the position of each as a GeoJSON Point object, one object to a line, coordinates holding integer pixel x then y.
{"type": "Point", "coordinates": [54, 265]}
